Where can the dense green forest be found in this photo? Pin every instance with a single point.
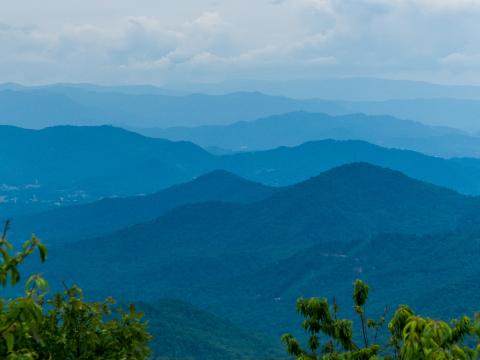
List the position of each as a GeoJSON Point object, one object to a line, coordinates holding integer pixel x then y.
{"type": "Point", "coordinates": [39, 325]}
{"type": "Point", "coordinates": [239, 254]}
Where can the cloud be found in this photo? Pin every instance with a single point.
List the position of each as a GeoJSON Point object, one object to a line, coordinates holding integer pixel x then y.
{"type": "Point", "coordinates": [460, 60]}
{"type": "Point", "coordinates": [212, 41]}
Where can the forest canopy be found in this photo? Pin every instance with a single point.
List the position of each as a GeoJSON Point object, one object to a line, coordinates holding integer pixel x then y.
{"type": "Point", "coordinates": [38, 325]}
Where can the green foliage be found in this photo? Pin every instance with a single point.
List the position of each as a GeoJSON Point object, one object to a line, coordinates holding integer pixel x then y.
{"type": "Point", "coordinates": [424, 338]}
{"type": "Point", "coordinates": [321, 318]}
{"type": "Point", "coordinates": [411, 336]}
{"type": "Point", "coordinates": [64, 326]}
{"type": "Point", "coordinates": [9, 262]}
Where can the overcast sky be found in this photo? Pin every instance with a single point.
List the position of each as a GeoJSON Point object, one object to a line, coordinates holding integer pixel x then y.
{"type": "Point", "coordinates": [160, 42]}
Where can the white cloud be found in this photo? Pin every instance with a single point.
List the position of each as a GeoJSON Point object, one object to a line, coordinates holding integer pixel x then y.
{"type": "Point", "coordinates": [159, 41]}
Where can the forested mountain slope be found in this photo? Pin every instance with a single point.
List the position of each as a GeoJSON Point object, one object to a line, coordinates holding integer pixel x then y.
{"type": "Point", "coordinates": [68, 224]}
{"type": "Point", "coordinates": [202, 251]}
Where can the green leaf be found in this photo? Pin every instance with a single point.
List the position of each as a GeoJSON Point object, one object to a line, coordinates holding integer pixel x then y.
{"type": "Point", "coordinates": [43, 252]}
{"type": "Point", "coordinates": [10, 340]}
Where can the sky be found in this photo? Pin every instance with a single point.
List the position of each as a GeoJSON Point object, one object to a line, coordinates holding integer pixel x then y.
{"type": "Point", "coordinates": [186, 41]}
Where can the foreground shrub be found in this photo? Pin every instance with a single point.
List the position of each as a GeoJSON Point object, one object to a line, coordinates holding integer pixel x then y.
{"type": "Point", "coordinates": [411, 337]}
{"type": "Point", "coordinates": [63, 326]}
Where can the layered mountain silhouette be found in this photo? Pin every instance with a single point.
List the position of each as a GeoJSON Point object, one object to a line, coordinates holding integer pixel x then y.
{"type": "Point", "coordinates": [42, 169]}
{"type": "Point", "coordinates": [285, 166]}
{"type": "Point", "coordinates": [73, 105]}
{"type": "Point", "coordinates": [455, 112]}
{"type": "Point", "coordinates": [345, 88]}
{"type": "Point", "coordinates": [296, 128]}
{"type": "Point", "coordinates": [147, 106]}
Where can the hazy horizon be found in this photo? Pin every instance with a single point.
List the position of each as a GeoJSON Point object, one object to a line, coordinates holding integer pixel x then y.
{"type": "Point", "coordinates": [185, 85]}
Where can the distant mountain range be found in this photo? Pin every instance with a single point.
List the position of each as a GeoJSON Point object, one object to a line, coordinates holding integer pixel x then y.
{"type": "Point", "coordinates": [296, 128]}
{"type": "Point", "coordinates": [285, 166]}
{"type": "Point", "coordinates": [250, 261]}
{"type": "Point", "coordinates": [455, 113]}
{"type": "Point", "coordinates": [348, 88]}
{"type": "Point", "coordinates": [67, 105]}
{"type": "Point", "coordinates": [151, 107]}
{"type": "Point", "coordinates": [105, 160]}
{"type": "Point", "coordinates": [70, 165]}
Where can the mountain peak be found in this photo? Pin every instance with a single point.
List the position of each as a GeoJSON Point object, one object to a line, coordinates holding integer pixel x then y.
{"type": "Point", "coordinates": [361, 185]}
{"type": "Point", "coordinates": [222, 176]}
{"type": "Point", "coordinates": [368, 175]}
{"type": "Point", "coordinates": [363, 167]}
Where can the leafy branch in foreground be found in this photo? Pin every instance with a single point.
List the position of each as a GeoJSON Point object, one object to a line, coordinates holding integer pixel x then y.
{"type": "Point", "coordinates": [412, 337]}
{"type": "Point", "coordinates": [10, 262]}
{"type": "Point", "coordinates": [321, 318]}
{"type": "Point", "coordinates": [64, 326]}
